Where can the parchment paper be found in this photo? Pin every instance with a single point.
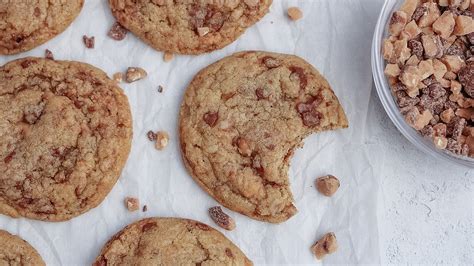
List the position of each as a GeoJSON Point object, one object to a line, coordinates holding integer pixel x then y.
{"type": "Point", "coordinates": [335, 36]}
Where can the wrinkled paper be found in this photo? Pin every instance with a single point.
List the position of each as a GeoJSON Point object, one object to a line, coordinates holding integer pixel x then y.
{"type": "Point", "coordinates": [334, 36]}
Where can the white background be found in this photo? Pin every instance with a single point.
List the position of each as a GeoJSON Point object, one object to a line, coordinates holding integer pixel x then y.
{"type": "Point", "coordinates": [395, 205]}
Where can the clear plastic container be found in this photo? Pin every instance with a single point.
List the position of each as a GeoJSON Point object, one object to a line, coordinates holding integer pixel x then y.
{"type": "Point", "coordinates": [388, 102]}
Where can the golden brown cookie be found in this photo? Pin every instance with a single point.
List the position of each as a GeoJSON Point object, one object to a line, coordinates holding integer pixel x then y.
{"type": "Point", "coordinates": [65, 134]}
{"type": "Point", "coordinates": [26, 24]}
{"type": "Point", "coordinates": [241, 119]}
{"type": "Point", "coordinates": [170, 241]}
{"type": "Point", "coordinates": [15, 251]}
{"type": "Point", "coordinates": [188, 27]}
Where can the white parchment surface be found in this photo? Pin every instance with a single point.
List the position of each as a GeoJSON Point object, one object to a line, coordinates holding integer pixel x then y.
{"type": "Point", "coordinates": [335, 36]}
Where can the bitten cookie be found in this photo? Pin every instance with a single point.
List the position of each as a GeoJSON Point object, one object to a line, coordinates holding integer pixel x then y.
{"type": "Point", "coordinates": [15, 251]}
{"type": "Point", "coordinates": [25, 25]}
{"type": "Point", "coordinates": [65, 134]}
{"type": "Point", "coordinates": [188, 27]}
{"type": "Point", "coordinates": [170, 241]}
{"type": "Point", "coordinates": [241, 119]}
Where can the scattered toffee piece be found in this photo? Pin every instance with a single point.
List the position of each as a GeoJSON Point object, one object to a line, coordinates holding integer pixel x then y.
{"type": "Point", "coordinates": [151, 135]}
{"type": "Point", "coordinates": [117, 32]}
{"type": "Point", "coordinates": [89, 42]}
{"type": "Point", "coordinates": [48, 54]}
{"type": "Point", "coordinates": [221, 218]}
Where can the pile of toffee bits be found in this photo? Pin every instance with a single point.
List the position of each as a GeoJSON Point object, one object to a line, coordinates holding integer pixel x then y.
{"type": "Point", "coordinates": [430, 69]}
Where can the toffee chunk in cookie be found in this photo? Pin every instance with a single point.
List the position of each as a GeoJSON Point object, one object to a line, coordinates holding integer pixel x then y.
{"type": "Point", "coordinates": [15, 251]}
{"type": "Point", "coordinates": [65, 134]}
{"type": "Point", "coordinates": [188, 27]}
{"type": "Point", "coordinates": [170, 241]}
{"type": "Point", "coordinates": [240, 121]}
{"type": "Point", "coordinates": [25, 25]}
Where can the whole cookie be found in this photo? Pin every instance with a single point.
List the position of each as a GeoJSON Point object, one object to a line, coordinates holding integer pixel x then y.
{"type": "Point", "coordinates": [16, 251]}
{"type": "Point", "coordinates": [26, 24]}
{"type": "Point", "coordinates": [241, 119]}
{"type": "Point", "coordinates": [188, 27]}
{"type": "Point", "coordinates": [170, 241]}
{"type": "Point", "coordinates": [65, 134]}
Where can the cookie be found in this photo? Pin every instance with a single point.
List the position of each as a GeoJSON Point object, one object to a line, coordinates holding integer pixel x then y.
{"type": "Point", "coordinates": [188, 27]}
{"type": "Point", "coordinates": [240, 121]}
{"type": "Point", "coordinates": [170, 241]}
{"type": "Point", "coordinates": [25, 25]}
{"type": "Point", "coordinates": [16, 251]}
{"type": "Point", "coordinates": [65, 134]}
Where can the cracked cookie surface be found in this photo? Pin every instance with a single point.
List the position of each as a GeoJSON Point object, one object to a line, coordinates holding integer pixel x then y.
{"type": "Point", "coordinates": [25, 25]}
{"type": "Point", "coordinates": [170, 241]}
{"type": "Point", "coordinates": [240, 121]}
{"type": "Point", "coordinates": [188, 27]}
{"type": "Point", "coordinates": [65, 134]}
{"type": "Point", "coordinates": [15, 251]}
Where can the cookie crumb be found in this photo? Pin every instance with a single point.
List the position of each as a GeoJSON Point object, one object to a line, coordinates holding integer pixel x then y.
{"type": "Point", "coordinates": [160, 89]}
{"type": "Point", "coordinates": [324, 246]}
{"type": "Point", "coordinates": [167, 56]}
{"type": "Point", "coordinates": [89, 42]}
{"type": "Point", "coordinates": [203, 31]}
{"type": "Point", "coordinates": [162, 140]}
{"type": "Point", "coordinates": [295, 13]}
{"type": "Point", "coordinates": [145, 208]}
{"type": "Point", "coordinates": [327, 185]}
{"type": "Point", "coordinates": [117, 32]}
{"type": "Point", "coordinates": [151, 135]}
{"type": "Point", "coordinates": [48, 54]}
{"type": "Point", "coordinates": [221, 218]}
{"type": "Point", "coordinates": [134, 74]}
{"type": "Point", "coordinates": [132, 204]}
{"type": "Point", "coordinates": [118, 77]}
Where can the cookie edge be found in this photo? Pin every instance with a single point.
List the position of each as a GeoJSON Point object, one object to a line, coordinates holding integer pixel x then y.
{"type": "Point", "coordinates": [105, 248]}
{"type": "Point", "coordinates": [39, 42]}
{"type": "Point", "coordinates": [33, 252]}
{"type": "Point", "coordinates": [188, 51]}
